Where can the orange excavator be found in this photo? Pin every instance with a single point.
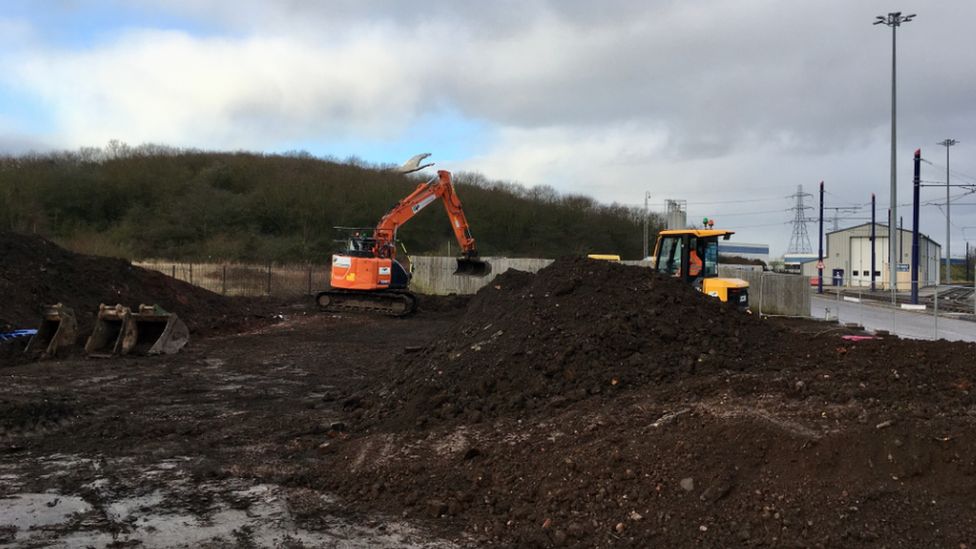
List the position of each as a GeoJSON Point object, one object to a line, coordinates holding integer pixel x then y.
{"type": "Point", "coordinates": [367, 276]}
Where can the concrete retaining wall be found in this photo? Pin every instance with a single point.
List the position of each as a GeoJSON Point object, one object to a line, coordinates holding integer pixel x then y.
{"type": "Point", "coordinates": [435, 275]}
{"type": "Point", "coordinates": [769, 293]}
{"type": "Point", "coordinates": [773, 293]}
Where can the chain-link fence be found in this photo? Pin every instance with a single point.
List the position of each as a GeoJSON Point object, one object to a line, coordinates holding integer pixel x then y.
{"type": "Point", "coordinates": [941, 311]}
{"type": "Point", "coordinates": [247, 279]}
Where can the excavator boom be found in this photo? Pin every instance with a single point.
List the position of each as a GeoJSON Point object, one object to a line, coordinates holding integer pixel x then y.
{"type": "Point", "coordinates": [441, 187]}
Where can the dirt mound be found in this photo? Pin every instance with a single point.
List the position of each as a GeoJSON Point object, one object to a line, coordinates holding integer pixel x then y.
{"type": "Point", "coordinates": [441, 303]}
{"type": "Point", "coordinates": [577, 329]}
{"type": "Point", "coordinates": [598, 405]}
{"type": "Point", "coordinates": [36, 272]}
{"type": "Point", "coordinates": [817, 442]}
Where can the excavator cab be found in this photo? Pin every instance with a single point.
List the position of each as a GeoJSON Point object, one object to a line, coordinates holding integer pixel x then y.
{"type": "Point", "coordinates": [359, 264]}
{"type": "Point", "coordinates": [359, 246]}
{"type": "Point", "coordinates": [692, 255]}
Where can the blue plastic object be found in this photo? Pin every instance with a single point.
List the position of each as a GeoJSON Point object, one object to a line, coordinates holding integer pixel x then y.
{"type": "Point", "coordinates": [7, 336]}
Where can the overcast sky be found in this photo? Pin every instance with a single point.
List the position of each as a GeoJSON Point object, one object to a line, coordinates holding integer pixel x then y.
{"type": "Point", "coordinates": [728, 105]}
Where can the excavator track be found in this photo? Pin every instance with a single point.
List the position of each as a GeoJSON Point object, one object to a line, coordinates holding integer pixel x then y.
{"type": "Point", "coordinates": [390, 303]}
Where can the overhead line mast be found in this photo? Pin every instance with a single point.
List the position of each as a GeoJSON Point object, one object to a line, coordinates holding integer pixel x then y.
{"type": "Point", "coordinates": [800, 239]}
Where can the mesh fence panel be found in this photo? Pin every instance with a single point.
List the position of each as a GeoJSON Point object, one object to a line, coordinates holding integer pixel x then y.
{"type": "Point", "coordinates": [242, 279]}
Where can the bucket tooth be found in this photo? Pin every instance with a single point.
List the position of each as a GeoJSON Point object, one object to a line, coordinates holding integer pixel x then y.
{"type": "Point", "coordinates": [114, 332]}
{"type": "Point", "coordinates": [157, 331]}
{"type": "Point", "coordinates": [58, 330]}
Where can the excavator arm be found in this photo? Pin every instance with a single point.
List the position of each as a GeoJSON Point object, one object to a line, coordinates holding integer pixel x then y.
{"type": "Point", "coordinates": [440, 187]}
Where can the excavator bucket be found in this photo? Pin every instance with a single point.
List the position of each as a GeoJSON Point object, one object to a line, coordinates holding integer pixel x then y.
{"type": "Point", "coordinates": [158, 332]}
{"type": "Point", "coordinates": [114, 332]}
{"type": "Point", "coordinates": [468, 266]}
{"type": "Point", "coordinates": [58, 329]}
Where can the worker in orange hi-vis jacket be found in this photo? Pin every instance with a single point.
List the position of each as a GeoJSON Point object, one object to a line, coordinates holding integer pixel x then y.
{"type": "Point", "coordinates": [694, 263]}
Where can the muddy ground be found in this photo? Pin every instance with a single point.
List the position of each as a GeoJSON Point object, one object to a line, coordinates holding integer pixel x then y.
{"type": "Point", "coordinates": [590, 405]}
{"type": "Point", "coordinates": [212, 447]}
{"type": "Point", "coordinates": [263, 439]}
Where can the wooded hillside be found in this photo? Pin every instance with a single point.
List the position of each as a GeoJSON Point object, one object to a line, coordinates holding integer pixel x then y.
{"type": "Point", "coordinates": [160, 202]}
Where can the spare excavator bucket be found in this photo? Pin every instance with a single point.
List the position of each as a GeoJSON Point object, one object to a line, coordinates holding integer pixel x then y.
{"type": "Point", "coordinates": [58, 329]}
{"type": "Point", "coordinates": [158, 332]}
{"type": "Point", "coordinates": [114, 332]}
{"type": "Point", "coordinates": [468, 266]}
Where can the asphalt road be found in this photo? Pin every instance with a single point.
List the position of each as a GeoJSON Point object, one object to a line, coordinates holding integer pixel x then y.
{"type": "Point", "coordinates": [917, 325]}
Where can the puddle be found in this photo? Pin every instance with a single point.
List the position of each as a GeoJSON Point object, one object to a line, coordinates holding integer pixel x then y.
{"type": "Point", "coordinates": [155, 505]}
{"type": "Point", "coordinates": [32, 511]}
{"type": "Point", "coordinates": [60, 521]}
{"type": "Point", "coordinates": [121, 510]}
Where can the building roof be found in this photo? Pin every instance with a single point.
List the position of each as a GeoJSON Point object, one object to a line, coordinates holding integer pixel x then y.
{"type": "Point", "coordinates": [743, 248]}
{"type": "Point", "coordinates": [799, 258]}
{"type": "Point", "coordinates": [885, 225]}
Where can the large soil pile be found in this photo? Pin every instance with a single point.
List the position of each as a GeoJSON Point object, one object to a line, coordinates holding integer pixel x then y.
{"type": "Point", "coordinates": [598, 405]}
{"type": "Point", "coordinates": [579, 328]}
{"type": "Point", "coordinates": [34, 272]}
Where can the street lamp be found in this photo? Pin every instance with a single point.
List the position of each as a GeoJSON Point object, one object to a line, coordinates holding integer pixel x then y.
{"type": "Point", "coordinates": [893, 20]}
{"type": "Point", "coordinates": [948, 278]}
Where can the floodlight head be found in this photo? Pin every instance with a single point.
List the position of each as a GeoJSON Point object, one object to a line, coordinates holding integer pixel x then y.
{"type": "Point", "coordinates": [895, 14]}
{"type": "Point", "coordinates": [910, 17]}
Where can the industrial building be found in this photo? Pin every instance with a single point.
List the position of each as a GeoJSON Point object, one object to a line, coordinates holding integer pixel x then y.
{"type": "Point", "coordinates": [745, 250]}
{"type": "Point", "coordinates": [847, 258]}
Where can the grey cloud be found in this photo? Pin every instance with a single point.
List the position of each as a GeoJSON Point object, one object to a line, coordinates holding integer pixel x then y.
{"type": "Point", "coordinates": [809, 76]}
{"type": "Point", "coordinates": [753, 92]}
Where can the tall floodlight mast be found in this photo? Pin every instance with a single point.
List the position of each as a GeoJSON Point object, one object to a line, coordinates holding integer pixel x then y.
{"type": "Point", "coordinates": [893, 20]}
{"type": "Point", "coordinates": [948, 250]}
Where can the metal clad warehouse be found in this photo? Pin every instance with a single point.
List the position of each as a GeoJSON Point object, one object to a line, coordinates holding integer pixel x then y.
{"type": "Point", "coordinates": [848, 254]}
